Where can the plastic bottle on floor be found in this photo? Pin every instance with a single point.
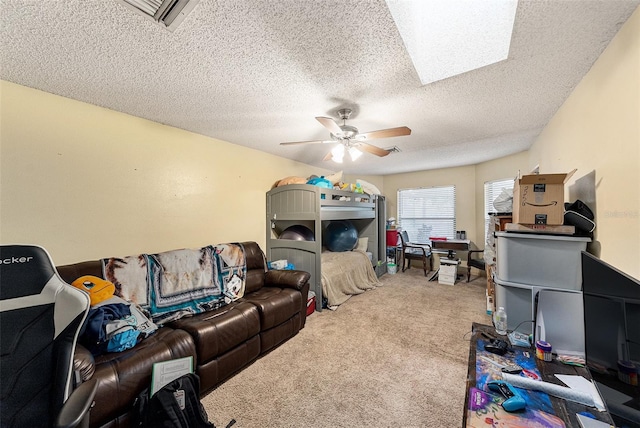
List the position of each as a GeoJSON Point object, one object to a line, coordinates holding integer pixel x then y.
{"type": "Point", "coordinates": [500, 321]}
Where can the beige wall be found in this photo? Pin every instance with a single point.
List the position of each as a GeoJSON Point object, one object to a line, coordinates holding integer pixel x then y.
{"type": "Point", "coordinates": [597, 131]}
{"type": "Point", "coordinates": [87, 182]}
{"type": "Point", "coordinates": [469, 182]}
{"type": "Point", "coordinates": [462, 177]}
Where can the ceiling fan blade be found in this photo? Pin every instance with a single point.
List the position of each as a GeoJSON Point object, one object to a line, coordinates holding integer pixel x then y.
{"type": "Point", "coordinates": [369, 148]}
{"type": "Point", "coordinates": [385, 133]}
{"type": "Point", "coordinates": [330, 124]}
{"type": "Point", "coordinates": [328, 156]}
{"type": "Point", "coordinates": [291, 143]}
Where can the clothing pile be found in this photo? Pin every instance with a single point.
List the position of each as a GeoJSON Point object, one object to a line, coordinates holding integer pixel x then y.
{"type": "Point", "coordinates": [113, 324]}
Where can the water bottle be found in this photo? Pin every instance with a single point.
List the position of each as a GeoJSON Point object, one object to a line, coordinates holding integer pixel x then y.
{"type": "Point", "coordinates": [500, 321]}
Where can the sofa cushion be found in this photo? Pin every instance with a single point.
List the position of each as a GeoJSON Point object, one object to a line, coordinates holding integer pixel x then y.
{"type": "Point", "coordinates": [218, 331]}
{"type": "Point", "coordinates": [276, 305]}
{"type": "Point", "coordinates": [123, 375]}
{"type": "Point", "coordinates": [271, 338]}
{"type": "Point", "coordinates": [217, 370]}
{"type": "Point", "coordinates": [254, 280]}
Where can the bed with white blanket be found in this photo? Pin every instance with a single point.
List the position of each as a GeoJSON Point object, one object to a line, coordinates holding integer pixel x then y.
{"type": "Point", "coordinates": [345, 274]}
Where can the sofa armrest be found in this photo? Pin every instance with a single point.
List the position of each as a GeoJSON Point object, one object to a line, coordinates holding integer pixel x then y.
{"type": "Point", "coordinates": [84, 363]}
{"type": "Point", "coordinates": [286, 278]}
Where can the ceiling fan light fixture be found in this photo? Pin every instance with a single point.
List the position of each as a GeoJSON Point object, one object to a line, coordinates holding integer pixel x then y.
{"type": "Point", "coordinates": [348, 139]}
{"type": "Point", "coordinates": [354, 153]}
{"type": "Point", "coordinates": [337, 153]}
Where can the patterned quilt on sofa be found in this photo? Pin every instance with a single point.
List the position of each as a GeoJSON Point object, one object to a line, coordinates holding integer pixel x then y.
{"type": "Point", "coordinates": [179, 283]}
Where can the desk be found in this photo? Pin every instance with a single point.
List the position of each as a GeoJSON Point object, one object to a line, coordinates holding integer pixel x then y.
{"type": "Point", "coordinates": [563, 409]}
{"type": "Point", "coordinates": [450, 246]}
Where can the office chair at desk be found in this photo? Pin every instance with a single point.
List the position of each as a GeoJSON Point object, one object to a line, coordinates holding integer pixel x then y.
{"type": "Point", "coordinates": [40, 318]}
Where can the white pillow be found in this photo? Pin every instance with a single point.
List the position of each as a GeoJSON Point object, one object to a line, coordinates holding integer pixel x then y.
{"type": "Point", "coordinates": [368, 187]}
{"type": "Point", "coordinates": [334, 178]}
{"type": "Point", "coordinates": [362, 245]}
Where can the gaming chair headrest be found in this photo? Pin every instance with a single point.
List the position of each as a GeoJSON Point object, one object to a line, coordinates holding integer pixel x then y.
{"type": "Point", "coordinates": [41, 317]}
{"type": "Point", "coordinates": [26, 265]}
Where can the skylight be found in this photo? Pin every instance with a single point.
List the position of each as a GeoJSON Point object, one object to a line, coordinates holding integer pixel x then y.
{"type": "Point", "coordinates": [449, 37]}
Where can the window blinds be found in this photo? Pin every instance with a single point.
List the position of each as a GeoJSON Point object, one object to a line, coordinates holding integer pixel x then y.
{"type": "Point", "coordinates": [427, 212]}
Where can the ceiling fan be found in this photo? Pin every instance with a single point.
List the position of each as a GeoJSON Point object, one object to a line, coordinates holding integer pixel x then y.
{"type": "Point", "coordinates": [350, 139]}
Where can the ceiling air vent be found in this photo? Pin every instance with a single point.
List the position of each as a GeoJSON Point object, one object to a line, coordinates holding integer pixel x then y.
{"type": "Point", "coordinates": [168, 13]}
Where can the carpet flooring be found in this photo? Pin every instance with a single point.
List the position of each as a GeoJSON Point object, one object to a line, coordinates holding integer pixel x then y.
{"type": "Point", "coordinates": [395, 356]}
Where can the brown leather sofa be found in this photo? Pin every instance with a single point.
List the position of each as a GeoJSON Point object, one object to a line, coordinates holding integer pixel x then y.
{"type": "Point", "coordinates": [222, 341]}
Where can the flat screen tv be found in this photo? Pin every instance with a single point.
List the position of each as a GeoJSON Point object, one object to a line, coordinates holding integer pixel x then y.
{"type": "Point", "coordinates": [612, 335]}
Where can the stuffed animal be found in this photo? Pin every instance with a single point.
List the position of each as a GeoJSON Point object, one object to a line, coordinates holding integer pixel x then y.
{"type": "Point", "coordinates": [291, 180]}
{"type": "Point", "coordinates": [98, 289]}
{"type": "Point", "coordinates": [350, 187]}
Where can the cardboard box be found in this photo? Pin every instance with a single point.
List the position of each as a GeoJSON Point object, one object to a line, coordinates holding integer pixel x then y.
{"type": "Point", "coordinates": [490, 291]}
{"type": "Point", "coordinates": [490, 304]}
{"type": "Point", "coordinates": [539, 198]}
{"type": "Point", "coordinates": [540, 228]}
{"type": "Point", "coordinates": [491, 286]}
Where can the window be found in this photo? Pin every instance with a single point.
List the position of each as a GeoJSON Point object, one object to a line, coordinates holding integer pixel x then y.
{"type": "Point", "coordinates": [426, 212]}
{"type": "Point", "coordinates": [493, 189]}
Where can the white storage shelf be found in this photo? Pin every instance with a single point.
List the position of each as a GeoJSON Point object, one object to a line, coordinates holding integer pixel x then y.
{"type": "Point", "coordinates": [540, 260]}
{"type": "Point", "coordinates": [528, 263]}
{"type": "Point", "coordinates": [519, 303]}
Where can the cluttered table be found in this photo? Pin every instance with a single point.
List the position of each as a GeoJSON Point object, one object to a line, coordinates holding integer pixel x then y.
{"type": "Point", "coordinates": [487, 398]}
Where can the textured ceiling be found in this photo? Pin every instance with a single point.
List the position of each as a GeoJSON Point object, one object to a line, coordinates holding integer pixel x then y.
{"type": "Point", "coordinates": [257, 72]}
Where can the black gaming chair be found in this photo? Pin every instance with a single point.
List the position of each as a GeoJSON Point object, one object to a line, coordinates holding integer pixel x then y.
{"type": "Point", "coordinates": [40, 318]}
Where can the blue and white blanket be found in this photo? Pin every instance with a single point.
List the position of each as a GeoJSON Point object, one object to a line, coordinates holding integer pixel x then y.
{"type": "Point", "coordinates": [179, 283]}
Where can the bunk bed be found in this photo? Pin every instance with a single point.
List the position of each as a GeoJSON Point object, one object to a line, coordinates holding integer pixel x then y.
{"type": "Point", "coordinates": [313, 206]}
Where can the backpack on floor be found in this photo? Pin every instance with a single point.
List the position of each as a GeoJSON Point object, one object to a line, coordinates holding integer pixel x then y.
{"type": "Point", "coordinates": [175, 405]}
